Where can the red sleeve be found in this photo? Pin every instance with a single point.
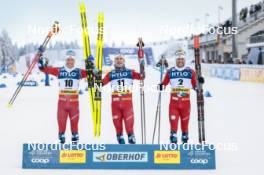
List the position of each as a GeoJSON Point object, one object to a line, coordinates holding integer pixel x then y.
{"type": "Point", "coordinates": [136, 75]}
{"type": "Point", "coordinates": [51, 70]}
{"type": "Point", "coordinates": [194, 83]}
{"type": "Point", "coordinates": [166, 80]}
{"type": "Point", "coordinates": [106, 79]}
{"type": "Point", "coordinates": [83, 73]}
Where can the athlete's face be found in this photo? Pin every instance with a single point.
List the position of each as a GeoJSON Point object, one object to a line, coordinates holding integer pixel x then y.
{"type": "Point", "coordinates": [119, 61]}
{"type": "Point", "coordinates": [180, 62]}
{"type": "Point", "coordinates": [70, 62]}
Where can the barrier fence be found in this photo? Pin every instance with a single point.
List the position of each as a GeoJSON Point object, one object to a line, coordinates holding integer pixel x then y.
{"type": "Point", "coordinates": [239, 72]}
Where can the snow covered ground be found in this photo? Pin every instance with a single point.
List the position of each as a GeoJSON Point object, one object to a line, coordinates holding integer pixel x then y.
{"type": "Point", "coordinates": [234, 117]}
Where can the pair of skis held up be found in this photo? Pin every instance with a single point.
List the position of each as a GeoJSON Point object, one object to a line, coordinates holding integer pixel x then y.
{"type": "Point", "coordinates": [94, 84]}
{"type": "Point", "coordinates": [199, 94]}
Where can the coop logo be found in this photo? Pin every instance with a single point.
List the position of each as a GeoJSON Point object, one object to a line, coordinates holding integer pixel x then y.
{"type": "Point", "coordinates": [167, 157]}
{"type": "Point", "coordinates": [40, 161]}
{"type": "Point", "coordinates": [72, 156]}
{"type": "Point", "coordinates": [199, 161]}
{"type": "Point", "coordinates": [120, 157]}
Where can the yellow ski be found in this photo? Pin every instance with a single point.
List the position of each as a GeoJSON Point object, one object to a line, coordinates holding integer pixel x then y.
{"type": "Point", "coordinates": [89, 65]}
{"type": "Point", "coordinates": [99, 65]}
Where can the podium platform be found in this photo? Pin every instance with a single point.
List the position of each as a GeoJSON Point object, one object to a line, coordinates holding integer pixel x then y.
{"type": "Point", "coordinates": [110, 156]}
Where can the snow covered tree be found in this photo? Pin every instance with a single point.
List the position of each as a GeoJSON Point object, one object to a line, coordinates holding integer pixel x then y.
{"type": "Point", "coordinates": [8, 52]}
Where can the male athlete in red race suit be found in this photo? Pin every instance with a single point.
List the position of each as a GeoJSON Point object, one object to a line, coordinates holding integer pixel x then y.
{"type": "Point", "coordinates": [181, 79]}
{"type": "Point", "coordinates": [68, 103]}
{"type": "Point", "coordinates": [121, 80]}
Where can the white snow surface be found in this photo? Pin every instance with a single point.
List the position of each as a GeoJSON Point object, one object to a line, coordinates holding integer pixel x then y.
{"type": "Point", "coordinates": [233, 115]}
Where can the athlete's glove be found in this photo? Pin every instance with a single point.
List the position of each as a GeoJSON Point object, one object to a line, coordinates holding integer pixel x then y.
{"type": "Point", "coordinates": [42, 63]}
{"type": "Point", "coordinates": [201, 80]}
{"type": "Point", "coordinates": [161, 87]}
{"type": "Point", "coordinates": [96, 73]}
{"type": "Point", "coordinates": [41, 49]}
{"type": "Point", "coordinates": [91, 58]}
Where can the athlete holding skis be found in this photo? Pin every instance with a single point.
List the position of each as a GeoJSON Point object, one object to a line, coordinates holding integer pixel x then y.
{"type": "Point", "coordinates": [121, 80]}
{"type": "Point", "coordinates": [181, 79]}
{"type": "Point", "coordinates": [68, 104]}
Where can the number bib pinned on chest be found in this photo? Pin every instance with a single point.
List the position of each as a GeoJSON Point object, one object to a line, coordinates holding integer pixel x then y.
{"type": "Point", "coordinates": [69, 81]}
{"type": "Point", "coordinates": [181, 81]}
{"type": "Point", "coordinates": [121, 81]}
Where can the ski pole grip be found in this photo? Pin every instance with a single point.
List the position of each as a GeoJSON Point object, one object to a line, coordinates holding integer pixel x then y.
{"type": "Point", "coordinates": [196, 42]}
{"type": "Point", "coordinates": [55, 27]}
{"type": "Point", "coordinates": [140, 53]}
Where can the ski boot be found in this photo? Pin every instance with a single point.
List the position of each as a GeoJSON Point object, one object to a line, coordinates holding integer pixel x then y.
{"type": "Point", "coordinates": [173, 137]}
{"type": "Point", "coordinates": [62, 138]}
{"type": "Point", "coordinates": [131, 139]}
{"type": "Point", "coordinates": [120, 139]}
{"type": "Point", "coordinates": [185, 137]}
{"type": "Point", "coordinates": [75, 138]}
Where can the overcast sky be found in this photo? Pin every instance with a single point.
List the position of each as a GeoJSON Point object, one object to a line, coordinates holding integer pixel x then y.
{"type": "Point", "coordinates": [125, 20]}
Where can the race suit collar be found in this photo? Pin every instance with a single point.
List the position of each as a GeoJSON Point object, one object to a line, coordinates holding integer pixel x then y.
{"type": "Point", "coordinates": [180, 68]}
{"type": "Point", "coordinates": [68, 69]}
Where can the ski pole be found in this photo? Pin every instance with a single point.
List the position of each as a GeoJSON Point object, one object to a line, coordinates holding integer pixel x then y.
{"type": "Point", "coordinates": [142, 94]}
{"type": "Point", "coordinates": [54, 30]}
{"type": "Point", "coordinates": [158, 110]}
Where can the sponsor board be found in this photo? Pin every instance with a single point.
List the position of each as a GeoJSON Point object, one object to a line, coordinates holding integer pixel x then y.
{"type": "Point", "coordinates": [252, 75]}
{"type": "Point", "coordinates": [167, 157]}
{"type": "Point", "coordinates": [72, 156]}
{"type": "Point", "coordinates": [120, 157]}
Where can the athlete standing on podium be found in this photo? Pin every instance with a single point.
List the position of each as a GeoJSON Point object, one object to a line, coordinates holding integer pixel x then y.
{"type": "Point", "coordinates": [181, 79]}
{"type": "Point", "coordinates": [68, 104]}
{"type": "Point", "coordinates": [121, 79]}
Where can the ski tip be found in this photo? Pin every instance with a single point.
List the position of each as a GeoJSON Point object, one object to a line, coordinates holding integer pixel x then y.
{"type": "Point", "coordinates": [9, 105]}
{"type": "Point", "coordinates": [82, 6]}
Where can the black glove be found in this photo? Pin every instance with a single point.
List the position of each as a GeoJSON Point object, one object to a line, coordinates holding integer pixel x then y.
{"type": "Point", "coordinates": [201, 80]}
{"type": "Point", "coordinates": [41, 49]}
{"type": "Point", "coordinates": [161, 87]}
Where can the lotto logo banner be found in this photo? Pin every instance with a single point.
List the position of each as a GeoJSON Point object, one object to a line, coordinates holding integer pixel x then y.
{"type": "Point", "coordinates": [72, 156]}
{"type": "Point", "coordinates": [167, 157]}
